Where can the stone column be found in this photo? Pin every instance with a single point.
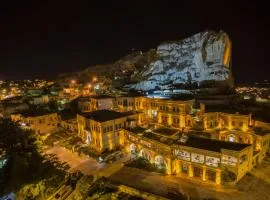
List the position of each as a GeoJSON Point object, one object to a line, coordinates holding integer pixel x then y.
{"type": "Point", "coordinates": [152, 159]}
{"type": "Point", "coordinates": [204, 173]}
{"type": "Point", "coordinates": [190, 170]}
{"type": "Point", "coordinates": [179, 167]}
{"type": "Point", "coordinates": [169, 166]}
{"type": "Point", "coordinates": [218, 176]}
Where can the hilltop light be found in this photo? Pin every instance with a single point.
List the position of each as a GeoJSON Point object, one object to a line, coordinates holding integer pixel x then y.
{"type": "Point", "coordinates": [73, 81]}
{"type": "Point", "coordinates": [94, 79]}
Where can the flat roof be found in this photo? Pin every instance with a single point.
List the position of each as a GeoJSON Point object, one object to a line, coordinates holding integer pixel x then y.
{"type": "Point", "coordinates": [67, 114]}
{"type": "Point", "coordinates": [101, 97]}
{"type": "Point", "coordinates": [35, 113]}
{"type": "Point", "coordinates": [213, 145]}
{"type": "Point", "coordinates": [261, 132]}
{"type": "Point", "coordinates": [105, 115]}
{"type": "Point", "coordinates": [166, 131]}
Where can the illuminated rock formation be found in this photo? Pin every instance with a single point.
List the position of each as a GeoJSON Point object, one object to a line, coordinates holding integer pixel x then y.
{"type": "Point", "coordinates": [202, 57]}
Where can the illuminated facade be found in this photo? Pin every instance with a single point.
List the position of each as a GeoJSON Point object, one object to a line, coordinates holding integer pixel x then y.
{"type": "Point", "coordinates": [92, 103]}
{"type": "Point", "coordinates": [198, 158]}
{"type": "Point", "coordinates": [173, 113]}
{"type": "Point", "coordinates": [102, 129]}
{"type": "Point", "coordinates": [41, 123]}
{"type": "Point", "coordinates": [172, 135]}
{"type": "Point", "coordinates": [42, 99]}
{"type": "Point", "coordinates": [241, 129]}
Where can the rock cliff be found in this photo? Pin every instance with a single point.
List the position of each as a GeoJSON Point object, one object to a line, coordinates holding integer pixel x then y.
{"type": "Point", "coordinates": [203, 57]}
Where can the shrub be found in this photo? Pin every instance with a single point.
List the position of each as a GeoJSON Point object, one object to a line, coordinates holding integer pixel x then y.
{"type": "Point", "coordinates": [142, 163]}
{"type": "Point", "coordinates": [228, 176]}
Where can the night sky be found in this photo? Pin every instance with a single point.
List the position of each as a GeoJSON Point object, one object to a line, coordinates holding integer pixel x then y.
{"type": "Point", "coordinates": [41, 40]}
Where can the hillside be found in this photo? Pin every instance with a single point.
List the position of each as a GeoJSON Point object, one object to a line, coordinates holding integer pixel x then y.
{"type": "Point", "coordinates": [203, 57]}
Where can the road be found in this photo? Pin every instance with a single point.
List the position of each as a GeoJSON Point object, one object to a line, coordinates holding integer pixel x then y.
{"type": "Point", "coordinates": [252, 187]}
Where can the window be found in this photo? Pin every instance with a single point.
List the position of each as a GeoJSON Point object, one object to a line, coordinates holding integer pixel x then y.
{"type": "Point", "coordinates": [243, 158]}
{"type": "Point", "coordinates": [211, 175]}
{"type": "Point", "coordinates": [175, 120]}
{"type": "Point", "coordinates": [241, 124]}
{"type": "Point", "coordinates": [211, 124]}
{"type": "Point", "coordinates": [233, 123]}
{"type": "Point", "coordinates": [197, 171]}
{"type": "Point", "coordinates": [185, 168]}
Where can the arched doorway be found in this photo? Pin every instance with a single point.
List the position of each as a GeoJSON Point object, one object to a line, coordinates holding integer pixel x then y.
{"type": "Point", "coordinates": [160, 162]}
{"type": "Point", "coordinates": [145, 154]}
{"type": "Point", "coordinates": [88, 137]}
{"type": "Point", "coordinates": [231, 138]}
{"type": "Point", "coordinates": [133, 150]}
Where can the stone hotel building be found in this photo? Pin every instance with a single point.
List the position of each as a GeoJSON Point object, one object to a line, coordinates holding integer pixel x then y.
{"type": "Point", "coordinates": [179, 136]}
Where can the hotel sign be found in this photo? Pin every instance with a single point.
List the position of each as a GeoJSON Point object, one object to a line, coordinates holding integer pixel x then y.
{"type": "Point", "coordinates": [228, 160]}
{"type": "Point", "coordinates": [182, 154]}
{"type": "Point", "coordinates": [198, 158]}
{"type": "Point", "coordinates": [212, 161]}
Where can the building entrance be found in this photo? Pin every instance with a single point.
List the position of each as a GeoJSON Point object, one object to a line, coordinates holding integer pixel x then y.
{"type": "Point", "coordinates": [197, 171]}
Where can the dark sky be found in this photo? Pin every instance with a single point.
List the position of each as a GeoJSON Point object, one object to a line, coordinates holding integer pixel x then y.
{"type": "Point", "coordinates": [44, 38]}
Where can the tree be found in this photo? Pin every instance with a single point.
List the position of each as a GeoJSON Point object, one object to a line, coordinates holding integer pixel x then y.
{"type": "Point", "coordinates": [28, 173]}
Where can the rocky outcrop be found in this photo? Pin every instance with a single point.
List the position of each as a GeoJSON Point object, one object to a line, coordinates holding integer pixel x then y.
{"type": "Point", "coordinates": [203, 57]}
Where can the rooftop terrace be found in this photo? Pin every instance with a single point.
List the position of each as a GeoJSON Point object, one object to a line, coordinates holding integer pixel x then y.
{"type": "Point", "coordinates": [261, 132]}
{"type": "Point", "coordinates": [192, 141]}
{"type": "Point", "coordinates": [35, 112]}
{"type": "Point", "coordinates": [152, 134]}
{"type": "Point", "coordinates": [106, 115]}
{"type": "Point", "coordinates": [213, 145]}
{"type": "Point", "coordinates": [166, 131]}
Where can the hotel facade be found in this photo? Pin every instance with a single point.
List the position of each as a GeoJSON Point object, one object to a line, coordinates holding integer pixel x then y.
{"type": "Point", "coordinates": [180, 136]}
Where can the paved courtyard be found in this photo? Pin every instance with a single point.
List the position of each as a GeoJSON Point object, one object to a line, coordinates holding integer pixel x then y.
{"type": "Point", "coordinates": [85, 164]}
{"type": "Point", "coordinates": [255, 186]}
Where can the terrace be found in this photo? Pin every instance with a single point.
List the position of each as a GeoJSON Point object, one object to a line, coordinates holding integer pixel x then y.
{"type": "Point", "coordinates": [161, 135]}
{"type": "Point", "coordinates": [137, 129]}
{"type": "Point", "coordinates": [261, 132]}
{"type": "Point", "coordinates": [166, 131]}
{"type": "Point", "coordinates": [212, 145]}
{"type": "Point", "coordinates": [106, 115]}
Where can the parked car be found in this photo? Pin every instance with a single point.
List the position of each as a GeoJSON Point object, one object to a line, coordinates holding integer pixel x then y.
{"type": "Point", "coordinates": [112, 157]}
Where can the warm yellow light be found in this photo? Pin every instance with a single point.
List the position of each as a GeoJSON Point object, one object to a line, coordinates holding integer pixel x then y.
{"type": "Point", "coordinates": [73, 81]}
{"type": "Point", "coordinates": [94, 79]}
{"type": "Point", "coordinates": [89, 85]}
{"type": "Point", "coordinates": [227, 54]}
